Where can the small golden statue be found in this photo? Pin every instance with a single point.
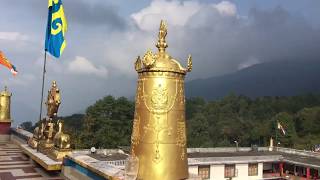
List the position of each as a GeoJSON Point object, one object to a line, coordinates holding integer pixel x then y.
{"type": "Point", "coordinates": [61, 144]}
{"type": "Point", "coordinates": [37, 135]}
{"type": "Point", "coordinates": [47, 129]}
{"type": "Point", "coordinates": [159, 130]}
{"type": "Point", "coordinates": [53, 100]}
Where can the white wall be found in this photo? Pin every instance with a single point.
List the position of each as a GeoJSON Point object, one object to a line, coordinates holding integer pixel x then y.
{"type": "Point", "coordinates": [193, 170]}
{"type": "Point", "coordinates": [217, 172]}
{"type": "Point", "coordinates": [260, 171]}
{"type": "Point", "coordinates": [241, 172]}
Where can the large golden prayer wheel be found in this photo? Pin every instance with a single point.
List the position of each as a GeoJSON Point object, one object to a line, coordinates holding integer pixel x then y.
{"type": "Point", "coordinates": [5, 97]}
{"type": "Point", "coordinates": [159, 128]}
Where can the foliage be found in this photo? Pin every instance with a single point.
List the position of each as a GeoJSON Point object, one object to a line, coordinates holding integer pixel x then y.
{"type": "Point", "coordinates": [27, 126]}
{"type": "Point", "coordinates": [253, 121]}
{"type": "Point", "coordinates": [108, 122]}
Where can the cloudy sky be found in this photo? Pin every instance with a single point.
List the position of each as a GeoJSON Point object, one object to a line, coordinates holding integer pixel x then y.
{"type": "Point", "coordinates": [105, 37]}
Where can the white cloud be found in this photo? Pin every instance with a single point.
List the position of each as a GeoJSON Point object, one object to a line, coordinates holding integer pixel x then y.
{"type": "Point", "coordinates": [13, 36]}
{"type": "Point", "coordinates": [83, 66]}
{"type": "Point", "coordinates": [174, 12]}
{"type": "Point", "coordinates": [226, 8]}
{"type": "Point", "coordinates": [20, 79]}
{"type": "Point", "coordinates": [177, 12]}
{"type": "Point", "coordinates": [250, 62]}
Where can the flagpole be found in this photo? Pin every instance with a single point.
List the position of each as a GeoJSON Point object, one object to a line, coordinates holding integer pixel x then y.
{"type": "Point", "coordinates": [42, 91]}
{"type": "Point", "coordinates": [277, 134]}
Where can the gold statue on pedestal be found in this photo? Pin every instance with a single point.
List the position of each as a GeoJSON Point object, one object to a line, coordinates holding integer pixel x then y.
{"type": "Point", "coordinates": [159, 128]}
{"type": "Point", "coordinates": [53, 100]}
{"type": "Point", "coordinates": [61, 144]}
{"type": "Point", "coordinates": [37, 134]}
{"type": "Point", "coordinates": [53, 103]}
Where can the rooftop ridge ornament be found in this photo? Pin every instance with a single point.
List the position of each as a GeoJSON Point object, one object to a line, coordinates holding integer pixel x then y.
{"type": "Point", "coordinates": [162, 44]}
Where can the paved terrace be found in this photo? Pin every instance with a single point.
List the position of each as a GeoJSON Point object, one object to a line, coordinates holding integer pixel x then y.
{"type": "Point", "coordinates": [15, 165]}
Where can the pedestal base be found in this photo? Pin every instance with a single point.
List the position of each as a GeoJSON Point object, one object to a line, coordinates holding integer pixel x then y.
{"type": "Point", "coordinates": [58, 154]}
{"type": "Point", "coordinates": [47, 163]}
{"type": "Point", "coordinates": [5, 128]}
{"type": "Point", "coordinates": [33, 142]}
{"type": "Point", "coordinates": [45, 146]}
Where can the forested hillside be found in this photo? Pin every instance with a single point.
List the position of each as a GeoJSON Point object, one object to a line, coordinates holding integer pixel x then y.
{"type": "Point", "coordinates": [276, 78]}
{"type": "Point", "coordinates": [108, 123]}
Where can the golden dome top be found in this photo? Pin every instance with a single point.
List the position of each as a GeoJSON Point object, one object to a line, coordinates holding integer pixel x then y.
{"type": "Point", "coordinates": [161, 61]}
{"type": "Point", "coordinates": [5, 92]}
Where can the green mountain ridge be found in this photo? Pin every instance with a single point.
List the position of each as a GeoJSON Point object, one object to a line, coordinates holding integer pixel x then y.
{"type": "Point", "coordinates": [278, 78]}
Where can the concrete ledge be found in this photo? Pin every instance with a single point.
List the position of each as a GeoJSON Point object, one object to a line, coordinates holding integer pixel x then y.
{"type": "Point", "coordinates": [100, 168]}
{"type": "Point", "coordinates": [41, 159]}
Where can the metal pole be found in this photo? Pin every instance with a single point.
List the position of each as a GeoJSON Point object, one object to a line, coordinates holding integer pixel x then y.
{"type": "Point", "coordinates": [42, 89]}
{"type": "Point", "coordinates": [276, 135]}
{"type": "Point", "coordinates": [237, 146]}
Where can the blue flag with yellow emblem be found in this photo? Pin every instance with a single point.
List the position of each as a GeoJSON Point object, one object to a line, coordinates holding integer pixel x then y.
{"type": "Point", "coordinates": [56, 29]}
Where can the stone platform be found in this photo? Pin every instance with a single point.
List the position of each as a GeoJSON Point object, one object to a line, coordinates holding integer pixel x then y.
{"type": "Point", "coordinates": [47, 163]}
{"type": "Point", "coordinates": [15, 165]}
{"type": "Point", "coordinates": [98, 169]}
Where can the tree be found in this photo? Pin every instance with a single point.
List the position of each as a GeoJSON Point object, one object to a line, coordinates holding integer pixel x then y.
{"type": "Point", "coordinates": [286, 120]}
{"type": "Point", "coordinates": [108, 123]}
{"type": "Point", "coordinates": [198, 131]}
{"type": "Point", "coordinates": [27, 126]}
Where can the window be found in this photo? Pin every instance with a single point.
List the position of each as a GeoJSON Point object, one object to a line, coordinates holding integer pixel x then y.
{"type": "Point", "coordinates": [204, 172]}
{"type": "Point", "coordinates": [229, 170]}
{"type": "Point", "coordinates": [253, 169]}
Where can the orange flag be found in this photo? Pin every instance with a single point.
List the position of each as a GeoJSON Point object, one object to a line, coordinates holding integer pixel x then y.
{"type": "Point", "coordinates": [4, 61]}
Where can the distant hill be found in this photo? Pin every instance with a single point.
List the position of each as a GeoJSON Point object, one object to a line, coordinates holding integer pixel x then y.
{"type": "Point", "coordinates": [278, 78]}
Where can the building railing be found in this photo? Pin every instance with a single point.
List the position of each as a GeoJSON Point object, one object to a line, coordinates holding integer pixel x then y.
{"type": "Point", "coordinates": [118, 163]}
{"type": "Point", "coordinates": [224, 149]}
{"type": "Point", "coordinates": [298, 152]}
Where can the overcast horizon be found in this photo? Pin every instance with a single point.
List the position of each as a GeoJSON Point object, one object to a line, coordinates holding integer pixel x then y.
{"type": "Point", "coordinates": [104, 38]}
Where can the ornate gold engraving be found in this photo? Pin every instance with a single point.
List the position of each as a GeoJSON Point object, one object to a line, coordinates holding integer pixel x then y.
{"type": "Point", "coordinates": [159, 97]}
{"type": "Point", "coordinates": [181, 137]}
{"type": "Point", "coordinates": [189, 67]}
{"type": "Point", "coordinates": [148, 59]}
{"type": "Point", "coordinates": [135, 137]}
{"type": "Point", "coordinates": [137, 64]}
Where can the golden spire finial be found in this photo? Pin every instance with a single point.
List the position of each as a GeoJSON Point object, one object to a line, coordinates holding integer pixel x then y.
{"type": "Point", "coordinates": [162, 45]}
